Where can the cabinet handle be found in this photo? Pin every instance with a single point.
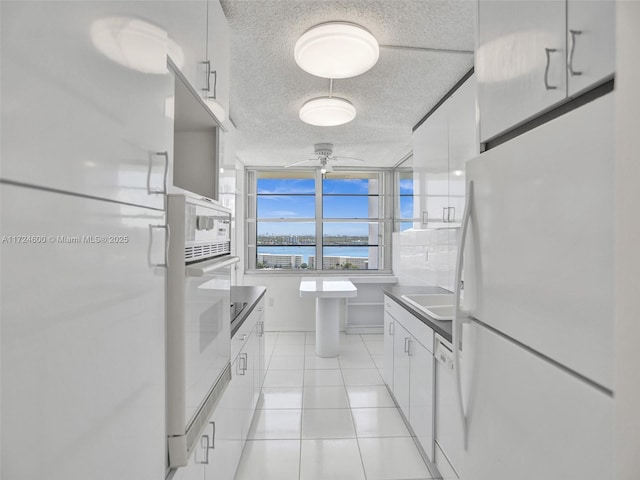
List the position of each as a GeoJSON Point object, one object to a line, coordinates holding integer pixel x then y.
{"type": "Point", "coordinates": [449, 217]}
{"type": "Point", "coordinates": [548, 52]}
{"type": "Point", "coordinates": [207, 75]}
{"type": "Point", "coordinates": [573, 48]}
{"type": "Point", "coordinates": [390, 328]}
{"type": "Point", "coordinates": [213, 435]}
{"type": "Point", "coordinates": [204, 445]}
{"type": "Point", "coordinates": [243, 337]}
{"type": "Point", "coordinates": [260, 329]}
{"type": "Point", "coordinates": [240, 368]}
{"type": "Point", "coordinates": [409, 347]}
{"type": "Point", "coordinates": [164, 154]}
{"type": "Point", "coordinates": [215, 82]}
{"type": "Point", "coordinates": [245, 363]}
{"type": "Point", "coordinates": [167, 240]}
{"type": "Point", "coordinates": [444, 214]}
{"type": "Point", "coordinates": [406, 345]}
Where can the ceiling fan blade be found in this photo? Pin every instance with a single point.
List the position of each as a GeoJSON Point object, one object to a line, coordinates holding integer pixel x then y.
{"type": "Point", "coordinates": [300, 162]}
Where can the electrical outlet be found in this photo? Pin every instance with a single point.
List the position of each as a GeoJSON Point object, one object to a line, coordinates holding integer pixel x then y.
{"type": "Point", "coordinates": [271, 301]}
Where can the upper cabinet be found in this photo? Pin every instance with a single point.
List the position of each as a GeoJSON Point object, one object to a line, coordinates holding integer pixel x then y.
{"type": "Point", "coordinates": [441, 145]}
{"type": "Point", "coordinates": [201, 32]}
{"type": "Point", "coordinates": [85, 98]}
{"type": "Point", "coordinates": [520, 61]}
{"type": "Point", "coordinates": [218, 56]}
{"type": "Point", "coordinates": [533, 54]}
{"type": "Point", "coordinates": [188, 27]}
{"type": "Point", "coordinates": [590, 43]}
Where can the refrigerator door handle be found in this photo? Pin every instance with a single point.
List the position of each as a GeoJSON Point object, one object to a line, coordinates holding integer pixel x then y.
{"type": "Point", "coordinates": [459, 316]}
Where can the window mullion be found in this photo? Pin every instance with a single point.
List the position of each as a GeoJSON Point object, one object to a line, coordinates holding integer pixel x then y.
{"type": "Point", "coordinates": [319, 222]}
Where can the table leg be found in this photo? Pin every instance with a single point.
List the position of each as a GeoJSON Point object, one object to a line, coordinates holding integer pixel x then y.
{"type": "Point", "coordinates": [327, 327]}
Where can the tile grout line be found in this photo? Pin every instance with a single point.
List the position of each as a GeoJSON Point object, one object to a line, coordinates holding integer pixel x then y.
{"type": "Point", "coordinates": [353, 422]}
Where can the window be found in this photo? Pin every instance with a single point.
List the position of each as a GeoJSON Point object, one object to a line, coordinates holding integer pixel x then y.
{"type": "Point", "coordinates": [404, 188]}
{"type": "Point", "coordinates": [300, 220]}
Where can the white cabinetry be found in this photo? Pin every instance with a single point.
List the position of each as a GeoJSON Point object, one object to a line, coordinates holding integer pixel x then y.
{"type": "Point", "coordinates": [389, 325]}
{"type": "Point", "coordinates": [413, 370]}
{"type": "Point", "coordinates": [201, 30]}
{"type": "Point", "coordinates": [590, 43]}
{"type": "Point", "coordinates": [441, 146]}
{"type": "Point", "coordinates": [82, 338]}
{"type": "Point", "coordinates": [527, 58]}
{"type": "Point", "coordinates": [401, 367]}
{"type": "Point", "coordinates": [218, 55]}
{"type": "Point", "coordinates": [81, 112]}
{"type": "Point", "coordinates": [187, 26]}
{"type": "Point", "coordinates": [228, 427]}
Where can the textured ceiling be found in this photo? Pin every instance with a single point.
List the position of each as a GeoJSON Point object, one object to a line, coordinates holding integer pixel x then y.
{"type": "Point", "coordinates": [268, 88]}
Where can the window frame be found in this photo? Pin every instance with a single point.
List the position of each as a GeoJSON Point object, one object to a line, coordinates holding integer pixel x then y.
{"type": "Point", "coordinates": [385, 220]}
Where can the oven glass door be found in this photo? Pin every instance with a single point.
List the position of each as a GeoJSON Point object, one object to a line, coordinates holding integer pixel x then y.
{"type": "Point", "coordinates": [207, 334]}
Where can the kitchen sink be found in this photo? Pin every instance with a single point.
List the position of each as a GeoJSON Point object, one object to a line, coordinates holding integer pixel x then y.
{"type": "Point", "coordinates": [438, 306]}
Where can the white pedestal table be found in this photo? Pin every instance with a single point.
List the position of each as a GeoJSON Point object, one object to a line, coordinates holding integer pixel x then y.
{"type": "Point", "coordinates": [328, 293]}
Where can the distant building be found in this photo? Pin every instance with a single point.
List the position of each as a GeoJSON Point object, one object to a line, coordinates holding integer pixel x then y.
{"type": "Point", "coordinates": [272, 260]}
{"type": "Point", "coordinates": [338, 263]}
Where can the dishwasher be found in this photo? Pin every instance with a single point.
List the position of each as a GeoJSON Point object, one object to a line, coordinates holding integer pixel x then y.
{"type": "Point", "coordinates": [449, 444]}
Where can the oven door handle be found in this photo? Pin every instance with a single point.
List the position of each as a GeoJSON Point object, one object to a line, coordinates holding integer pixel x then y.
{"type": "Point", "coordinates": [204, 268]}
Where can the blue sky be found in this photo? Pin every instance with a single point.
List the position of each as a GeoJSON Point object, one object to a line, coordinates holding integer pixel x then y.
{"type": "Point", "coordinates": [294, 198]}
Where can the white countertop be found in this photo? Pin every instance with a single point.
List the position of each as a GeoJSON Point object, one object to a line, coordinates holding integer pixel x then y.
{"type": "Point", "coordinates": [327, 287]}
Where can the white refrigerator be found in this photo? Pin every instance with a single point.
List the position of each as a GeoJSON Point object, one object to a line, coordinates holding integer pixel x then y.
{"type": "Point", "coordinates": [535, 321]}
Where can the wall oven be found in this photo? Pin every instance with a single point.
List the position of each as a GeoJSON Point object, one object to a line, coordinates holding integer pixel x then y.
{"type": "Point", "coordinates": [198, 318]}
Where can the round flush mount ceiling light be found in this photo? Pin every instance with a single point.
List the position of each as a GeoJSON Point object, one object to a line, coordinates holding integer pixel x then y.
{"type": "Point", "coordinates": [336, 50]}
{"type": "Point", "coordinates": [327, 111]}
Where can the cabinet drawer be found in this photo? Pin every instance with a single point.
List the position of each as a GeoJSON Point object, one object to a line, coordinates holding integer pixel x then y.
{"type": "Point", "coordinates": [411, 323]}
{"type": "Point", "coordinates": [244, 332]}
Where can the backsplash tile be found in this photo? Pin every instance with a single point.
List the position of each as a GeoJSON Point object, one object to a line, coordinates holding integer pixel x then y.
{"type": "Point", "coordinates": [425, 257]}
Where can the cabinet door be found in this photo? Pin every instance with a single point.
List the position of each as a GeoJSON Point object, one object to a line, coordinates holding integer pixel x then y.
{"type": "Point", "coordinates": [261, 371]}
{"type": "Point", "coordinates": [401, 367]}
{"type": "Point", "coordinates": [82, 338]}
{"type": "Point", "coordinates": [590, 43]}
{"type": "Point", "coordinates": [226, 444]}
{"type": "Point", "coordinates": [84, 102]}
{"type": "Point", "coordinates": [430, 170]}
{"type": "Point", "coordinates": [219, 54]}
{"type": "Point", "coordinates": [253, 372]}
{"type": "Point", "coordinates": [421, 395]}
{"type": "Point", "coordinates": [187, 26]}
{"type": "Point", "coordinates": [520, 61]}
{"type": "Point", "coordinates": [389, 325]}
{"type": "Point", "coordinates": [244, 378]}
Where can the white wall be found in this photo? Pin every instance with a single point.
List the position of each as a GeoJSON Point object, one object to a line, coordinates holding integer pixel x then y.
{"type": "Point", "coordinates": [627, 240]}
{"type": "Point", "coordinates": [284, 309]}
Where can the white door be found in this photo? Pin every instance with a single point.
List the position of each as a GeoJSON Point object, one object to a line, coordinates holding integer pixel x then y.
{"type": "Point", "coordinates": [520, 61]}
{"type": "Point", "coordinates": [529, 419]}
{"type": "Point", "coordinates": [421, 395]}
{"type": "Point", "coordinates": [590, 43]}
{"type": "Point", "coordinates": [401, 367]}
{"type": "Point", "coordinates": [82, 338]}
{"type": "Point", "coordinates": [86, 106]}
{"type": "Point", "coordinates": [539, 266]}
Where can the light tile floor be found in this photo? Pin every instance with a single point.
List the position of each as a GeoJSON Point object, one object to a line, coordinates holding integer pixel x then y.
{"type": "Point", "coordinates": [328, 418]}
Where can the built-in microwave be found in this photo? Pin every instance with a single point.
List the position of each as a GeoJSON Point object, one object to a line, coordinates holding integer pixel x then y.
{"type": "Point", "coordinates": [198, 318]}
{"type": "Point", "coordinates": [197, 142]}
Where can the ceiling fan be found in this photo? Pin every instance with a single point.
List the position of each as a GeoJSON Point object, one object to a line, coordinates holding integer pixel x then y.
{"type": "Point", "coordinates": [324, 154]}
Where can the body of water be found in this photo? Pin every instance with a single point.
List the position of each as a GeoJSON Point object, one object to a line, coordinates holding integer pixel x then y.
{"type": "Point", "coordinates": [362, 252]}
